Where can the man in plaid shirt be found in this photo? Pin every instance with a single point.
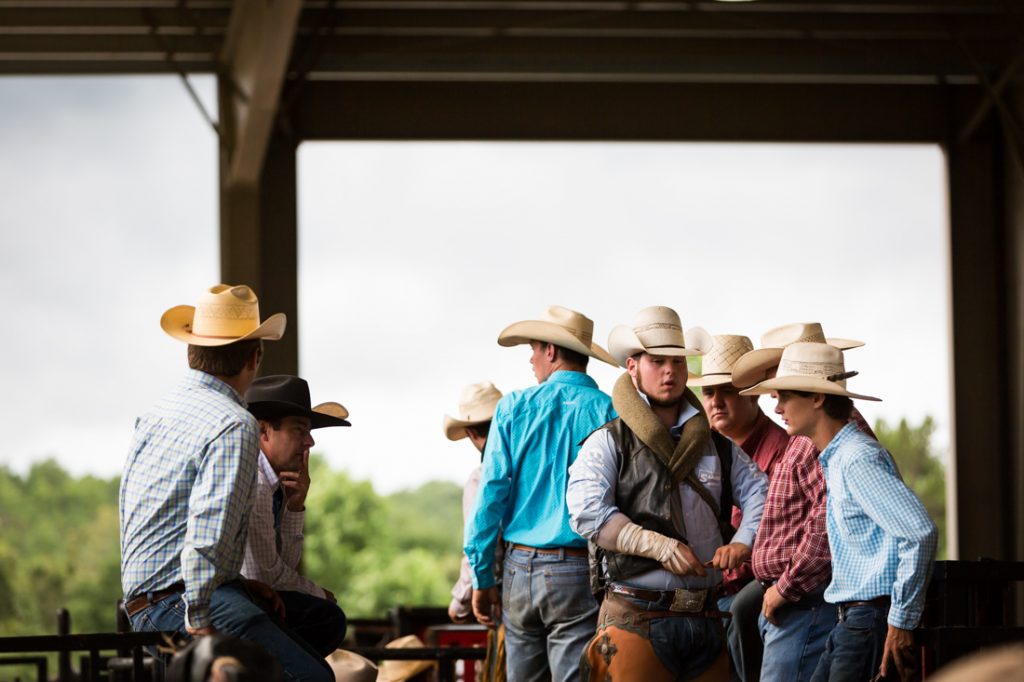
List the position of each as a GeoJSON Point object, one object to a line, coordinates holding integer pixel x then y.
{"type": "Point", "coordinates": [791, 557]}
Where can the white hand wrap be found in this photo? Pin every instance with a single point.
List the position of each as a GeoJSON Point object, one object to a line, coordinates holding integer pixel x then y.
{"type": "Point", "coordinates": [635, 540]}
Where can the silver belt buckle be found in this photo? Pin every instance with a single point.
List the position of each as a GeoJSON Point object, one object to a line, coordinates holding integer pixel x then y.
{"type": "Point", "coordinates": [688, 601]}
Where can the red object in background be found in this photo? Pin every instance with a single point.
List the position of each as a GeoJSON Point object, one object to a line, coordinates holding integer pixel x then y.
{"type": "Point", "coordinates": [462, 636]}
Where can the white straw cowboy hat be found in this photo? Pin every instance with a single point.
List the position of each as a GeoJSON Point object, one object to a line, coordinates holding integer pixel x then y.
{"type": "Point", "coordinates": [716, 366]}
{"type": "Point", "coordinates": [224, 314]}
{"type": "Point", "coordinates": [399, 671]}
{"type": "Point", "coordinates": [476, 406]}
{"type": "Point", "coordinates": [350, 667]}
{"type": "Point", "coordinates": [753, 367]}
{"type": "Point", "coordinates": [560, 326]}
{"type": "Point", "coordinates": [658, 331]}
{"type": "Point", "coordinates": [811, 367]}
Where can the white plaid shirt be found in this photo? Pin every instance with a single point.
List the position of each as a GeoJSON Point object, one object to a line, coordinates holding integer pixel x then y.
{"type": "Point", "coordinates": [186, 493]}
{"type": "Point", "coordinates": [272, 555]}
{"type": "Point", "coordinates": [882, 539]}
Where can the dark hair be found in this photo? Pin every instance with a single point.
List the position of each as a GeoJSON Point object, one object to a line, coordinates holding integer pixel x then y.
{"type": "Point", "coordinates": [570, 356]}
{"type": "Point", "coordinates": [481, 430]}
{"type": "Point", "coordinates": [223, 361]}
{"type": "Point", "coordinates": [838, 407]}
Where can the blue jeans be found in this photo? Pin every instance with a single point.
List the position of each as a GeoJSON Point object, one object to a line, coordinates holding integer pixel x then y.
{"type": "Point", "coordinates": [743, 633]}
{"type": "Point", "coordinates": [792, 648]}
{"type": "Point", "coordinates": [853, 652]}
{"type": "Point", "coordinates": [549, 615]}
{"type": "Point", "coordinates": [319, 622]}
{"type": "Point", "coordinates": [685, 645]}
{"type": "Point", "coordinates": [234, 613]}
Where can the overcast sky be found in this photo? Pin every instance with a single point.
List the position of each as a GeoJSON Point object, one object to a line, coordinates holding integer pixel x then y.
{"type": "Point", "coordinates": [413, 256]}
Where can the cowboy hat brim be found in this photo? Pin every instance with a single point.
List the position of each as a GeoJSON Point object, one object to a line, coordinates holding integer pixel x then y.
{"type": "Point", "coordinates": [177, 323]}
{"type": "Point", "coordinates": [710, 380]}
{"type": "Point", "coordinates": [272, 409]}
{"type": "Point", "coordinates": [623, 343]}
{"type": "Point", "coordinates": [753, 366]}
{"type": "Point", "coordinates": [519, 333]}
{"type": "Point", "coordinates": [455, 429]}
{"type": "Point", "coordinates": [803, 383]}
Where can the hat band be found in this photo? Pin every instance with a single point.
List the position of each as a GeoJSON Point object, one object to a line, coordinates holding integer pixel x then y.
{"type": "Point", "coordinates": [821, 370]}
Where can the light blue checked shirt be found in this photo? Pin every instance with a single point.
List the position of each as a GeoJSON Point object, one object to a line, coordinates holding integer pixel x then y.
{"type": "Point", "coordinates": [882, 540]}
{"type": "Point", "coordinates": [534, 438]}
{"type": "Point", "coordinates": [186, 493]}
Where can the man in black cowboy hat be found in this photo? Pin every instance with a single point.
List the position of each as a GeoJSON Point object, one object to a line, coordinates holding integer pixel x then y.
{"type": "Point", "coordinates": [273, 548]}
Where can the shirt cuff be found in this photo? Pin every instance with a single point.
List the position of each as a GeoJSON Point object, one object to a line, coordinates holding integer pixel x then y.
{"type": "Point", "coordinates": [482, 581]}
{"type": "Point", "coordinates": [197, 616]}
{"type": "Point", "coordinates": [787, 589]}
{"type": "Point", "coordinates": [744, 536]}
{"type": "Point", "coordinates": [459, 608]}
{"type": "Point", "coordinates": [902, 618]}
{"type": "Point", "coordinates": [292, 522]}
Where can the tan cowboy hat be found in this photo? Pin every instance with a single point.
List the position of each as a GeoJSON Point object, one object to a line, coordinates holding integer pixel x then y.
{"type": "Point", "coordinates": [399, 671]}
{"type": "Point", "coordinates": [658, 331]}
{"type": "Point", "coordinates": [225, 314]}
{"type": "Point", "coordinates": [812, 367]}
{"type": "Point", "coordinates": [350, 667]}
{"type": "Point", "coordinates": [716, 366]}
{"type": "Point", "coordinates": [332, 409]}
{"type": "Point", "coordinates": [753, 366]}
{"type": "Point", "coordinates": [560, 326]}
{"type": "Point", "coordinates": [476, 406]}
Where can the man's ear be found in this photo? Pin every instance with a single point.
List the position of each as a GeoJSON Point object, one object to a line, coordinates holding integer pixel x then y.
{"type": "Point", "coordinates": [818, 400]}
{"type": "Point", "coordinates": [550, 352]}
{"type": "Point", "coordinates": [632, 366]}
{"type": "Point", "coordinates": [264, 428]}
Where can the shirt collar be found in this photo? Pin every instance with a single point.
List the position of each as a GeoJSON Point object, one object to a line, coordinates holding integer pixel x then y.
{"type": "Point", "coordinates": [565, 376]}
{"type": "Point", "coordinates": [685, 414]}
{"type": "Point", "coordinates": [268, 470]}
{"type": "Point", "coordinates": [195, 377]}
{"type": "Point", "coordinates": [844, 433]}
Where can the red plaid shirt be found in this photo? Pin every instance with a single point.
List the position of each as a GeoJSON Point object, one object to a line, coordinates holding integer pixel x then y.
{"type": "Point", "coordinates": [792, 544]}
{"type": "Point", "coordinates": [765, 444]}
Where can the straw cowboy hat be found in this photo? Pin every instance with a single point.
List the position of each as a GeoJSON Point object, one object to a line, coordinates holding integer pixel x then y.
{"type": "Point", "coordinates": [224, 314]}
{"type": "Point", "coordinates": [350, 667]}
{"type": "Point", "coordinates": [476, 406]}
{"type": "Point", "coordinates": [753, 366]}
{"type": "Point", "coordinates": [716, 368]}
{"type": "Point", "coordinates": [399, 671]}
{"type": "Point", "coordinates": [811, 367]}
{"type": "Point", "coordinates": [280, 395]}
{"type": "Point", "coordinates": [560, 326]}
{"type": "Point", "coordinates": [658, 331]}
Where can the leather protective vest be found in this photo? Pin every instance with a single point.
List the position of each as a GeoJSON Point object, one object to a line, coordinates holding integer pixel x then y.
{"type": "Point", "coordinates": [646, 494]}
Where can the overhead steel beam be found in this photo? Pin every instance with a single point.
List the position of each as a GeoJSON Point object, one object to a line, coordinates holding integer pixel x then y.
{"type": "Point", "coordinates": [255, 57]}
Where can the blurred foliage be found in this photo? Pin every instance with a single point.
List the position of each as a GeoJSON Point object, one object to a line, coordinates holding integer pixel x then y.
{"type": "Point", "coordinates": [920, 466]}
{"type": "Point", "coordinates": [59, 546]}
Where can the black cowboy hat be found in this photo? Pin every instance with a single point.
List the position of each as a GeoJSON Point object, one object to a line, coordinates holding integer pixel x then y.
{"type": "Point", "coordinates": [280, 395]}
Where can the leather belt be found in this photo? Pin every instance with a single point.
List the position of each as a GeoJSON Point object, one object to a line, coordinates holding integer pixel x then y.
{"type": "Point", "coordinates": [133, 606]}
{"type": "Point", "coordinates": [568, 551]}
{"type": "Point", "coordinates": [679, 600]}
{"type": "Point", "coordinates": [877, 601]}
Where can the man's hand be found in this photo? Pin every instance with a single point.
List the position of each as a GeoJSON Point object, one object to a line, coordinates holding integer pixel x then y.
{"type": "Point", "coordinates": [329, 595]}
{"type": "Point", "coordinates": [673, 555]}
{"type": "Point", "coordinates": [730, 556]}
{"type": "Point", "coordinates": [201, 632]}
{"type": "Point", "coordinates": [296, 485]}
{"type": "Point", "coordinates": [456, 613]}
{"type": "Point", "coordinates": [898, 652]}
{"type": "Point", "coordinates": [771, 601]}
{"type": "Point", "coordinates": [265, 593]}
{"type": "Point", "coordinates": [487, 606]}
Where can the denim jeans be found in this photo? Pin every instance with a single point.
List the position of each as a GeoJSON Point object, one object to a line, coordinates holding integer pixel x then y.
{"type": "Point", "coordinates": [853, 652]}
{"type": "Point", "coordinates": [792, 648]}
{"type": "Point", "coordinates": [743, 633]}
{"type": "Point", "coordinates": [319, 622]}
{"type": "Point", "coordinates": [549, 615]}
{"type": "Point", "coordinates": [234, 613]}
{"type": "Point", "coordinates": [685, 645]}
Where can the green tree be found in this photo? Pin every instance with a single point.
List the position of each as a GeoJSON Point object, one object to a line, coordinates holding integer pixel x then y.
{"type": "Point", "coordinates": [922, 470]}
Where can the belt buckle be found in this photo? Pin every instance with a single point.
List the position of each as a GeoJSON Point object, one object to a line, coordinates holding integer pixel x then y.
{"type": "Point", "coordinates": [688, 601]}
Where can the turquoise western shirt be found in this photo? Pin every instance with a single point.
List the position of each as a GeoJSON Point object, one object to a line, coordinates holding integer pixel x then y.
{"type": "Point", "coordinates": [534, 438]}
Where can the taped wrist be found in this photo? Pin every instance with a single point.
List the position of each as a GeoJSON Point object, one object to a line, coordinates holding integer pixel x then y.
{"type": "Point", "coordinates": [635, 540]}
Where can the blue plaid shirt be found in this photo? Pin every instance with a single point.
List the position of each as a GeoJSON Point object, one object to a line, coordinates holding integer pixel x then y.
{"type": "Point", "coordinates": [882, 540]}
{"type": "Point", "coordinates": [186, 493]}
